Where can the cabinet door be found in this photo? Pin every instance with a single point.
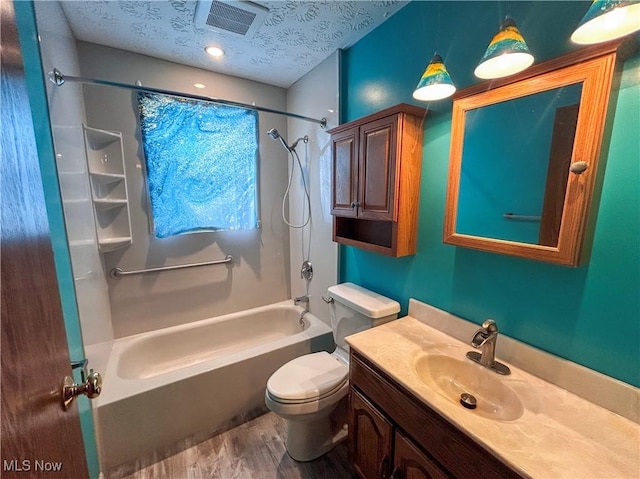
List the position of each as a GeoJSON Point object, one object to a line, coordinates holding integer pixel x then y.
{"type": "Point", "coordinates": [411, 463]}
{"type": "Point", "coordinates": [370, 439]}
{"type": "Point", "coordinates": [378, 157]}
{"type": "Point", "coordinates": [345, 173]}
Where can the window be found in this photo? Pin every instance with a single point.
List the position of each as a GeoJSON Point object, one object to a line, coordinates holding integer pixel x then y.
{"type": "Point", "coordinates": [201, 164]}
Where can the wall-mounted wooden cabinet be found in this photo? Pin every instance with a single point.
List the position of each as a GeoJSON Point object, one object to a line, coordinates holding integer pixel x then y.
{"type": "Point", "coordinates": [376, 163]}
{"type": "Point", "coordinates": [393, 435]}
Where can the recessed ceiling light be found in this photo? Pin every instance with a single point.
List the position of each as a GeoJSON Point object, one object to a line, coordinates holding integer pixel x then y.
{"type": "Point", "coordinates": [214, 51]}
{"type": "Point", "coordinates": [199, 85]}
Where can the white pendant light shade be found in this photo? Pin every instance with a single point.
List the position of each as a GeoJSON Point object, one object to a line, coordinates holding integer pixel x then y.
{"type": "Point", "coordinates": [435, 83]}
{"type": "Point", "coordinates": [607, 20]}
{"type": "Point", "coordinates": [506, 54]}
{"type": "Point", "coordinates": [503, 65]}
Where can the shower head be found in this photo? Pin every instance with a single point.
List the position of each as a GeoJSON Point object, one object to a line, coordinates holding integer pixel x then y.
{"type": "Point", "coordinates": [273, 133]}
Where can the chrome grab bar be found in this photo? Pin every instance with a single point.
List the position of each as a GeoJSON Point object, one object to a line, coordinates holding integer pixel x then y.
{"type": "Point", "coordinates": [116, 273]}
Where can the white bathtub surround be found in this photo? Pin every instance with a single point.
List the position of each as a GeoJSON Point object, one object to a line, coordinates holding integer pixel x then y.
{"type": "Point", "coordinates": [259, 274]}
{"type": "Point", "coordinates": [67, 113]}
{"type": "Point", "coordinates": [315, 95]}
{"type": "Point", "coordinates": [165, 388]}
{"type": "Point", "coordinates": [594, 442]}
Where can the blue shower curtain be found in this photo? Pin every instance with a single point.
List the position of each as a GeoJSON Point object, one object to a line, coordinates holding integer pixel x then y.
{"type": "Point", "coordinates": [201, 162]}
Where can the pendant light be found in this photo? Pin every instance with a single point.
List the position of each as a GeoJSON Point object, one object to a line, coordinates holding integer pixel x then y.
{"type": "Point", "coordinates": [506, 54]}
{"type": "Point", "coordinates": [607, 20]}
{"type": "Point", "coordinates": [435, 83]}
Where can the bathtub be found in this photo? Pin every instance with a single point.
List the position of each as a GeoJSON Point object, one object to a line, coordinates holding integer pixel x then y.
{"type": "Point", "coordinates": [169, 389]}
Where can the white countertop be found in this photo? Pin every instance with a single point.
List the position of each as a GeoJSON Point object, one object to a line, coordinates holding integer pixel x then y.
{"type": "Point", "coordinates": [559, 434]}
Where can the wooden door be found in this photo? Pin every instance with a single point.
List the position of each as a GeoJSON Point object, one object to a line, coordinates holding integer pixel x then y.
{"type": "Point", "coordinates": [345, 173]}
{"type": "Point", "coordinates": [564, 132]}
{"type": "Point", "coordinates": [377, 187]}
{"type": "Point", "coordinates": [39, 439]}
{"type": "Point", "coordinates": [370, 439]}
{"type": "Point", "coordinates": [411, 463]}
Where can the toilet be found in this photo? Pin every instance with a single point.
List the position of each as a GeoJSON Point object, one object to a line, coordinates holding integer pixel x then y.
{"type": "Point", "coordinates": [310, 392]}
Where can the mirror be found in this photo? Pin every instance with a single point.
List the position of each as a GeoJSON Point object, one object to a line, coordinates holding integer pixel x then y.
{"type": "Point", "coordinates": [524, 157]}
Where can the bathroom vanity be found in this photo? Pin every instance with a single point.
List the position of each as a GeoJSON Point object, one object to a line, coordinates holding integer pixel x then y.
{"type": "Point", "coordinates": [406, 419]}
{"type": "Point", "coordinates": [408, 437]}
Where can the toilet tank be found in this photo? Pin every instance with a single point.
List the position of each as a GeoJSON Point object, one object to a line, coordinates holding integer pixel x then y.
{"type": "Point", "coordinates": [355, 309]}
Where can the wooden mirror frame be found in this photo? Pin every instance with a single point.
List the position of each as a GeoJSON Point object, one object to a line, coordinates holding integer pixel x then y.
{"type": "Point", "coordinates": [594, 67]}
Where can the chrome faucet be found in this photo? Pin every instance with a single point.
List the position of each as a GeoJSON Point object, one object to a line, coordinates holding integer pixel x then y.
{"type": "Point", "coordinates": [485, 339]}
{"type": "Point", "coordinates": [297, 301]}
{"type": "Point", "coordinates": [301, 299]}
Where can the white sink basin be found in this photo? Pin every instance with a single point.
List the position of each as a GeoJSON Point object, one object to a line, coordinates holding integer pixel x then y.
{"type": "Point", "coordinates": [451, 377]}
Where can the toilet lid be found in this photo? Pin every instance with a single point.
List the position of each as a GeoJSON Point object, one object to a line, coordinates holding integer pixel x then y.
{"type": "Point", "coordinates": [307, 377]}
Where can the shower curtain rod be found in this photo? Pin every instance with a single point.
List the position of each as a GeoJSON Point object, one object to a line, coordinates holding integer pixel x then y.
{"type": "Point", "coordinates": [59, 79]}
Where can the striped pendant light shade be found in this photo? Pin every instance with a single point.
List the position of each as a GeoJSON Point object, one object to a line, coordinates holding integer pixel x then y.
{"type": "Point", "coordinates": [506, 54]}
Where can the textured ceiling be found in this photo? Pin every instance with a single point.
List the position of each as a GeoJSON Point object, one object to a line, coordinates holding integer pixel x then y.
{"type": "Point", "coordinates": [294, 38]}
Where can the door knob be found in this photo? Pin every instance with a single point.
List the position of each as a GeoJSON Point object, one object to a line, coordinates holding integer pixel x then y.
{"type": "Point", "coordinates": [92, 387]}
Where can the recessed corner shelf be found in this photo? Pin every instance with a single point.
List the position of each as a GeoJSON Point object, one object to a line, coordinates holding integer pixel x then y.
{"type": "Point", "coordinates": [105, 160]}
{"type": "Point", "coordinates": [106, 177]}
{"type": "Point", "coordinates": [105, 204]}
{"type": "Point", "coordinates": [110, 244]}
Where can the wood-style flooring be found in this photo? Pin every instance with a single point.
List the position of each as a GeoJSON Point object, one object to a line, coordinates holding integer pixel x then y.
{"type": "Point", "coordinates": [253, 450]}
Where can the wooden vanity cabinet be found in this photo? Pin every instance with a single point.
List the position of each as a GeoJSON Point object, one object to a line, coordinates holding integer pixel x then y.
{"type": "Point", "coordinates": [371, 438]}
{"type": "Point", "coordinates": [378, 450]}
{"type": "Point", "coordinates": [393, 435]}
{"type": "Point", "coordinates": [376, 163]}
{"type": "Point", "coordinates": [411, 463]}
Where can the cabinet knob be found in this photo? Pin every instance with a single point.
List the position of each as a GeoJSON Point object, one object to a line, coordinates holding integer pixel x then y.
{"type": "Point", "coordinates": [578, 167]}
{"type": "Point", "coordinates": [384, 467]}
{"type": "Point", "coordinates": [396, 474]}
{"type": "Point", "coordinates": [355, 204]}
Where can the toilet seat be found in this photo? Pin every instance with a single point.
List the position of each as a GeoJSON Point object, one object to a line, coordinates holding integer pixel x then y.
{"type": "Point", "coordinates": [308, 378]}
{"type": "Point", "coordinates": [309, 400]}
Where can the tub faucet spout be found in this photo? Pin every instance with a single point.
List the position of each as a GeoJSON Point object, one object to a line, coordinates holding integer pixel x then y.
{"type": "Point", "coordinates": [301, 299]}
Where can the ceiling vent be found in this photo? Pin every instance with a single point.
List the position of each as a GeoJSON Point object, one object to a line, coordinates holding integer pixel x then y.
{"type": "Point", "coordinates": [239, 17]}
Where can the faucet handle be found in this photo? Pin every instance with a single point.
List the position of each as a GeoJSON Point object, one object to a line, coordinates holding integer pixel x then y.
{"type": "Point", "coordinates": [490, 326]}
{"type": "Point", "coordinates": [479, 338]}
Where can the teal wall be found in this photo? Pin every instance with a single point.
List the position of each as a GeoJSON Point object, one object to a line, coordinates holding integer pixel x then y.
{"type": "Point", "coordinates": [589, 315]}
{"type": "Point", "coordinates": [34, 75]}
